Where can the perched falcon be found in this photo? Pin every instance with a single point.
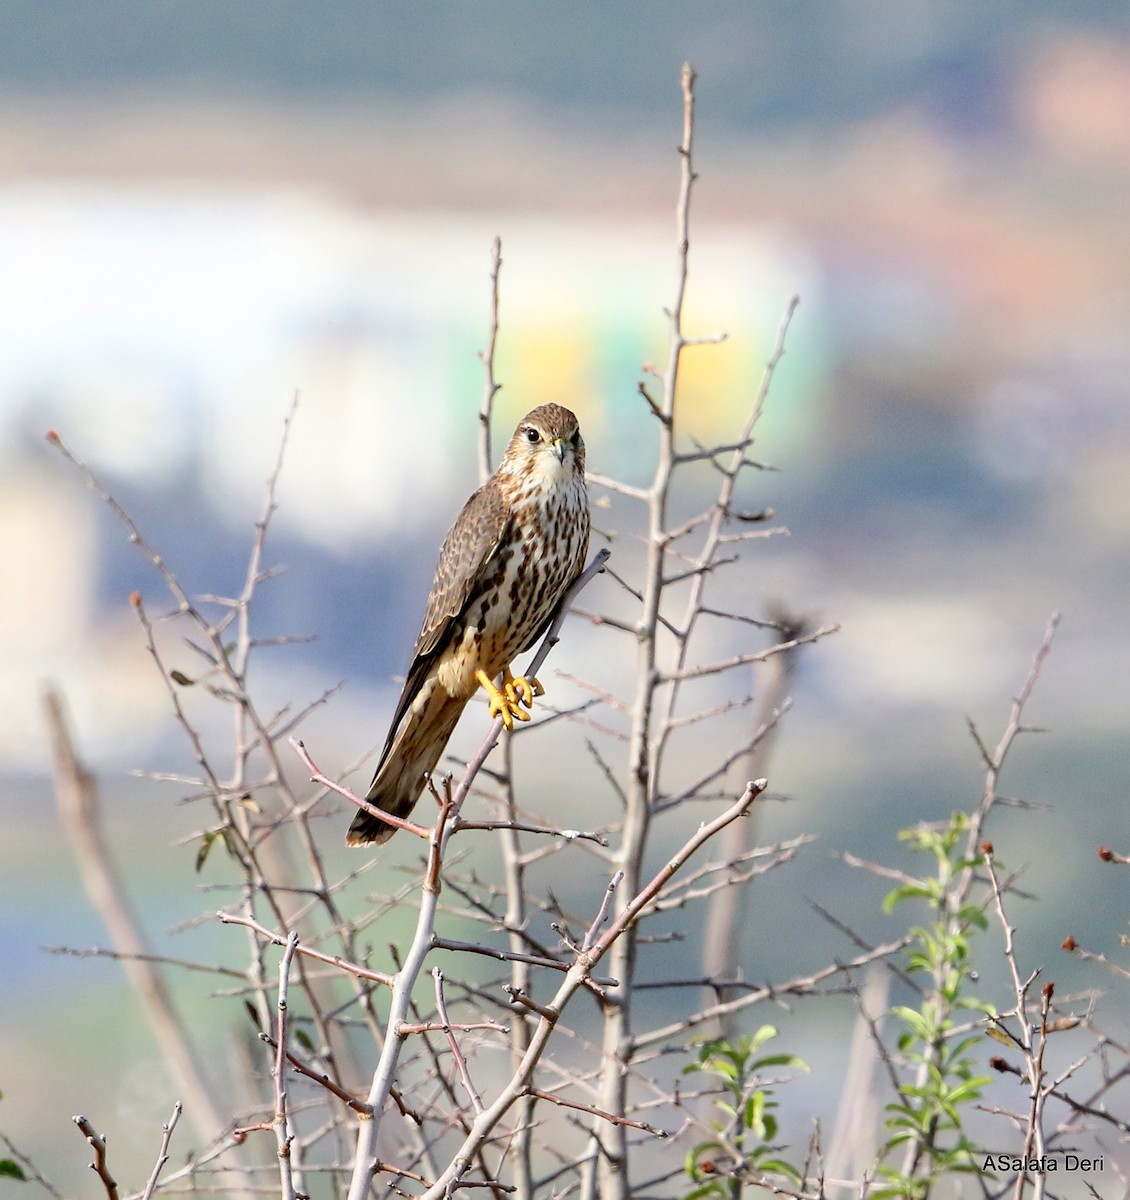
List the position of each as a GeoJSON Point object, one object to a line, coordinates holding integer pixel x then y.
{"type": "Point", "coordinates": [511, 555]}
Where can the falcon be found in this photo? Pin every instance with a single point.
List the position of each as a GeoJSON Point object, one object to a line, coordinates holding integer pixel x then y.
{"type": "Point", "coordinates": [504, 568]}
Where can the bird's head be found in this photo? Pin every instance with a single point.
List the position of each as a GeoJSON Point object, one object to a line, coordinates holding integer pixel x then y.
{"type": "Point", "coordinates": [547, 446]}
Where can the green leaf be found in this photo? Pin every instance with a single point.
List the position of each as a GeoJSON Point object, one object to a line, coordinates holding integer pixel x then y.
{"type": "Point", "coordinates": [304, 1040]}
{"type": "Point", "coordinates": [780, 1060]}
{"type": "Point", "coordinates": [691, 1165]}
{"type": "Point", "coordinates": [11, 1170]}
{"type": "Point", "coordinates": [778, 1166]}
{"type": "Point", "coordinates": [972, 915]}
{"type": "Point", "coordinates": [900, 1191]}
{"type": "Point", "coordinates": [181, 678]}
{"type": "Point", "coordinates": [919, 1025]}
{"type": "Point", "coordinates": [960, 1048]}
{"type": "Point", "coordinates": [969, 1090]}
{"type": "Point", "coordinates": [765, 1034]}
{"type": "Point", "coordinates": [716, 1188]}
{"type": "Point", "coordinates": [909, 891]}
{"type": "Point", "coordinates": [895, 1107]}
{"type": "Point", "coordinates": [206, 843]}
{"type": "Point", "coordinates": [722, 1066]}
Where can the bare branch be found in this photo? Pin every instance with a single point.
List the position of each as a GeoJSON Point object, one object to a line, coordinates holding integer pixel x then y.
{"type": "Point", "coordinates": [491, 386]}
{"type": "Point", "coordinates": [567, 835]}
{"type": "Point", "coordinates": [229, 918]}
{"type": "Point", "coordinates": [283, 1134]}
{"type": "Point", "coordinates": [496, 952]}
{"type": "Point", "coordinates": [612, 1118]}
{"type": "Point", "coordinates": [656, 410]}
{"type": "Point", "coordinates": [741, 660]}
{"type": "Point", "coordinates": [316, 776]}
{"type": "Point", "coordinates": [162, 959]}
{"type": "Point", "coordinates": [580, 970]}
{"type": "Point", "coordinates": [163, 1153]}
{"type": "Point", "coordinates": [80, 813]}
{"type": "Point", "coordinates": [322, 1078]}
{"type": "Point", "coordinates": [614, 485]}
{"type": "Point", "coordinates": [453, 1044]}
{"type": "Point", "coordinates": [29, 1168]}
{"type": "Point", "coordinates": [99, 1165]}
{"type": "Point", "coordinates": [799, 986]}
{"type": "Point", "coordinates": [601, 912]}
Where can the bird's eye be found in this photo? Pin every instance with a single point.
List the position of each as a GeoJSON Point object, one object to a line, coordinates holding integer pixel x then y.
{"type": "Point", "coordinates": [532, 435]}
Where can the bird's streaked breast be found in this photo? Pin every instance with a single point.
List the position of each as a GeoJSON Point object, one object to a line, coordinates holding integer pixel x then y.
{"type": "Point", "coordinates": [543, 555]}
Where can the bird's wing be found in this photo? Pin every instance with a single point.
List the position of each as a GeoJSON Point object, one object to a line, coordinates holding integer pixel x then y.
{"type": "Point", "coordinates": [465, 561]}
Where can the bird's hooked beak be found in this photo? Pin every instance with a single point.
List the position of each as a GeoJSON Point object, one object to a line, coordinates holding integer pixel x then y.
{"type": "Point", "coordinates": [558, 447]}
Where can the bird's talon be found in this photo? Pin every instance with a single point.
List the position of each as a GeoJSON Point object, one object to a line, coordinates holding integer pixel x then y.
{"type": "Point", "coordinates": [502, 709]}
{"type": "Point", "coordinates": [520, 689]}
{"type": "Point", "coordinates": [506, 701]}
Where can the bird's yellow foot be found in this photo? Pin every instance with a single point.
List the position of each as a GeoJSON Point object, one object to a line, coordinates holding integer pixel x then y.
{"type": "Point", "coordinates": [519, 689]}
{"type": "Point", "coordinates": [506, 702]}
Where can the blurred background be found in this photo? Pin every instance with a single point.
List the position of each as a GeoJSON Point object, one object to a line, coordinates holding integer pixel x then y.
{"type": "Point", "coordinates": [206, 207]}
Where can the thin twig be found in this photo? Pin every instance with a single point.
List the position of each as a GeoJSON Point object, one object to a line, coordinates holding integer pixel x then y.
{"type": "Point", "coordinates": [612, 1118]}
{"type": "Point", "coordinates": [491, 386]}
{"type": "Point", "coordinates": [163, 1153]}
{"type": "Point", "coordinates": [567, 835]}
{"type": "Point", "coordinates": [229, 918]}
{"type": "Point", "coordinates": [316, 776]}
{"type": "Point", "coordinates": [283, 1135]}
{"type": "Point", "coordinates": [99, 1165]}
{"type": "Point", "coordinates": [166, 960]}
{"type": "Point", "coordinates": [496, 952]}
{"type": "Point", "coordinates": [601, 912]}
{"type": "Point", "coordinates": [453, 1043]}
{"type": "Point", "coordinates": [29, 1168]}
{"type": "Point", "coordinates": [358, 1106]}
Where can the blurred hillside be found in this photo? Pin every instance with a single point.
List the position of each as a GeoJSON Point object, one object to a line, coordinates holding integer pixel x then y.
{"type": "Point", "coordinates": [206, 207]}
{"type": "Point", "coordinates": [771, 65]}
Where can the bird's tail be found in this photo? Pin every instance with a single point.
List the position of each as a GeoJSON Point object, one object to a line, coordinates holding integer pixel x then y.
{"type": "Point", "coordinates": [414, 752]}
